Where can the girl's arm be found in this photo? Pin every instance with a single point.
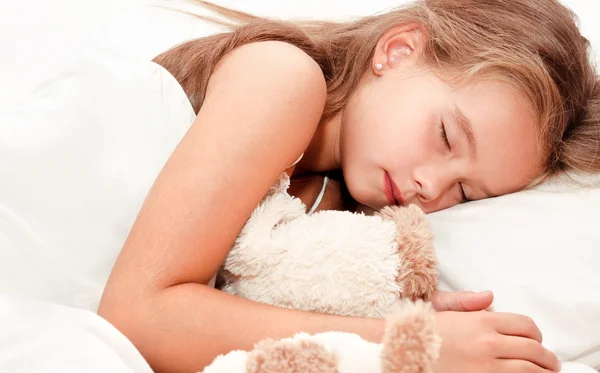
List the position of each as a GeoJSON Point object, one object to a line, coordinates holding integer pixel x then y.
{"type": "Point", "coordinates": [262, 106]}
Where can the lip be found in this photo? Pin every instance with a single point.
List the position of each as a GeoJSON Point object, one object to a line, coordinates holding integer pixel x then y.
{"type": "Point", "coordinates": [392, 193]}
{"type": "Point", "coordinates": [388, 188]}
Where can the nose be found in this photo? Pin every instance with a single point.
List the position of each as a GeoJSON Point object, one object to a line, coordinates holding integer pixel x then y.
{"type": "Point", "coordinates": [431, 182]}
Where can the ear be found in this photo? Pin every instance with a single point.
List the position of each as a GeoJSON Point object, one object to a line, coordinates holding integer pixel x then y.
{"type": "Point", "coordinates": [398, 46]}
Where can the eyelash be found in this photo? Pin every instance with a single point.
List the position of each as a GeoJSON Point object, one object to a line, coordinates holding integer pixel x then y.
{"type": "Point", "coordinates": [444, 135]}
{"type": "Point", "coordinates": [445, 139]}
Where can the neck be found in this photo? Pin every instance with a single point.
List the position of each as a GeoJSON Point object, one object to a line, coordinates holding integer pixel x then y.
{"type": "Point", "coordinates": [323, 152]}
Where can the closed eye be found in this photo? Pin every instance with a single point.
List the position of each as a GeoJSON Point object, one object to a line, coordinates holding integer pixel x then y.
{"type": "Point", "coordinates": [444, 135]}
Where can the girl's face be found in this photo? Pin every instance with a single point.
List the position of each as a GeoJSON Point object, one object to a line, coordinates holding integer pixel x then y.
{"type": "Point", "coordinates": [408, 138]}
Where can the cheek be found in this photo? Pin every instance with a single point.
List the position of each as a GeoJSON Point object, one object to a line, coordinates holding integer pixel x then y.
{"type": "Point", "coordinates": [416, 140]}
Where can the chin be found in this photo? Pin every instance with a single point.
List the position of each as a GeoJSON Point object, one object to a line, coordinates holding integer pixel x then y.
{"type": "Point", "coordinates": [365, 194]}
{"type": "Point", "coordinates": [366, 201]}
{"type": "Point", "coordinates": [359, 193]}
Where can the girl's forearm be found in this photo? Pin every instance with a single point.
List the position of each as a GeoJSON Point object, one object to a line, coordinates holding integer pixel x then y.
{"type": "Point", "coordinates": [183, 328]}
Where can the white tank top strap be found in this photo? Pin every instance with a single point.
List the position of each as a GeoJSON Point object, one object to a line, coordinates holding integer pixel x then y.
{"type": "Point", "coordinates": [317, 202]}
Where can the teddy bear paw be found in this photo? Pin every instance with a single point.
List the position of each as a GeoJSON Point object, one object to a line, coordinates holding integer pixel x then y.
{"type": "Point", "coordinates": [285, 356]}
{"type": "Point", "coordinates": [410, 342]}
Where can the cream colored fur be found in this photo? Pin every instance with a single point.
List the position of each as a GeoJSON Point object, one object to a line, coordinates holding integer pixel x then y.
{"type": "Point", "coordinates": [332, 261]}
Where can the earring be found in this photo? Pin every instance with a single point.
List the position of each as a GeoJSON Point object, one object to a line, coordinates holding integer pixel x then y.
{"type": "Point", "coordinates": [378, 66]}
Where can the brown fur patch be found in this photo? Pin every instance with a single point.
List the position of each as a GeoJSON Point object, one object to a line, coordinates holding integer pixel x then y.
{"type": "Point", "coordinates": [418, 274]}
{"type": "Point", "coordinates": [303, 356]}
{"type": "Point", "coordinates": [410, 344]}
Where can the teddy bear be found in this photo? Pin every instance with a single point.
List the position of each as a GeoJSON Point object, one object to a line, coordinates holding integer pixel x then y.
{"type": "Point", "coordinates": [337, 262]}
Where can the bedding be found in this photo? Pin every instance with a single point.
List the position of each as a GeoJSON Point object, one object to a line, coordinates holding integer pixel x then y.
{"type": "Point", "coordinates": [81, 155]}
{"type": "Point", "coordinates": [41, 337]}
{"type": "Point", "coordinates": [537, 250]}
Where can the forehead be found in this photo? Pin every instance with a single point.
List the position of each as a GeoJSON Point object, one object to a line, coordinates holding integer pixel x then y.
{"type": "Point", "coordinates": [505, 127]}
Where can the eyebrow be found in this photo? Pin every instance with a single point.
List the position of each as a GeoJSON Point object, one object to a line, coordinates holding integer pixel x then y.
{"type": "Point", "coordinates": [465, 128]}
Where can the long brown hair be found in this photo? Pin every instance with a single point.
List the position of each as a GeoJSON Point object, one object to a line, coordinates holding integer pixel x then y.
{"type": "Point", "coordinates": [534, 44]}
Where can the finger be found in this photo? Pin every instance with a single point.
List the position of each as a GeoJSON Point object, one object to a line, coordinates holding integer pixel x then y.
{"type": "Point", "coordinates": [511, 324]}
{"type": "Point", "coordinates": [529, 350]}
{"type": "Point", "coordinates": [463, 301]}
{"type": "Point", "coordinates": [520, 366]}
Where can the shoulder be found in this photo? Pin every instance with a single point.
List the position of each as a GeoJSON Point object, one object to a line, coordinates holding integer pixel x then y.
{"type": "Point", "coordinates": [274, 87]}
{"type": "Point", "coordinates": [277, 68]}
{"type": "Point", "coordinates": [276, 57]}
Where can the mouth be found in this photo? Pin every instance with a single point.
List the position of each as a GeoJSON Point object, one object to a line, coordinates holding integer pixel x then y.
{"type": "Point", "coordinates": [392, 193]}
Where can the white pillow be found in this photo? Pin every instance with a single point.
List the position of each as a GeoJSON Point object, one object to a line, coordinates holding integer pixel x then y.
{"type": "Point", "coordinates": [538, 251]}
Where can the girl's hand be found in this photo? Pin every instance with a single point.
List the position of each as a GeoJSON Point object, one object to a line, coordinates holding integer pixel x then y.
{"type": "Point", "coordinates": [461, 301]}
{"type": "Point", "coordinates": [489, 342]}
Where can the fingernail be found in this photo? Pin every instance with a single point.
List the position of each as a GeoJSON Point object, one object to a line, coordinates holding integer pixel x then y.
{"type": "Point", "coordinates": [485, 292]}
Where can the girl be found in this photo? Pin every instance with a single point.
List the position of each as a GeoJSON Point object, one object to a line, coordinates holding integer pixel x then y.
{"type": "Point", "coordinates": [434, 104]}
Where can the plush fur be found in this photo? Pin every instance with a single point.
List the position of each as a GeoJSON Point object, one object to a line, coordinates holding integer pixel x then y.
{"type": "Point", "coordinates": [333, 262]}
{"type": "Point", "coordinates": [341, 263]}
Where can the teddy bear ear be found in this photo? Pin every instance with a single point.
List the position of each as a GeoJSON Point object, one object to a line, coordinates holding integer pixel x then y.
{"type": "Point", "coordinates": [287, 356]}
{"type": "Point", "coordinates": [410, 342]}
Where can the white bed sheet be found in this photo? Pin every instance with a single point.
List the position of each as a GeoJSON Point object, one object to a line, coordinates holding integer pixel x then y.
{"type": "Point", "coordinates": [40, 337]}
